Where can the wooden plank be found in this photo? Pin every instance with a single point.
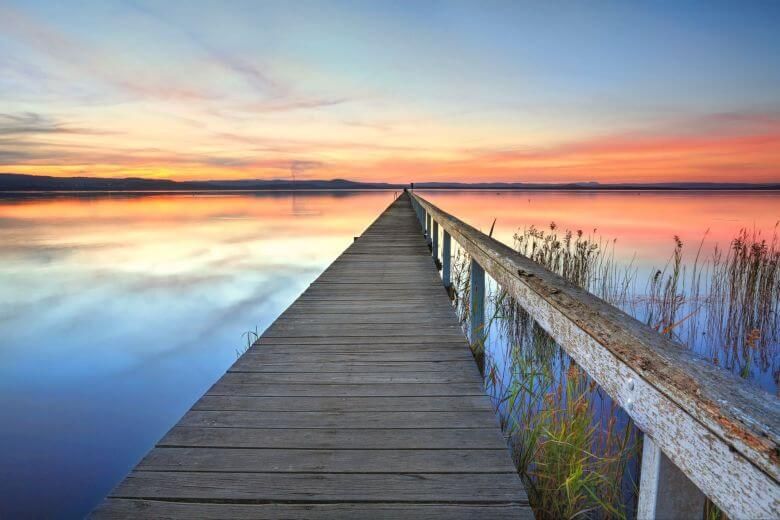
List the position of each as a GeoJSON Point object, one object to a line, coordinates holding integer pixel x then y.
{"type": "Point", "coordinates": [335, 438]}
{"type": "Point", "coordinates": [123, 508]}
{"type": "Point", "coordinates": [414, 319]}
{"type": "Point", "coordinates": [287, 355]}
{"type": "Point", "coordinates": [364, 390]}
{"type": "Point", "coordinates": [362, 399]}
{"type": "Point", "coordinates": [336, 329]}
{"type": "Point", "coordinates": [363, 341]}
{"type": "Point", "coordinates": [454, 488]}
{"type": "Point", "coordinates": [327, 461]}
{"type": "Point", "coordinates": [343, 404]}
{"type": "Point", "coordinates": [331, 378]}
{"type": "Point", "coordinates": [306, 308]}
{"type": "Point", "coordinates": [320, 419]}
{"type": "Point", "coordinates": [286, 330]}
{"type": "Point", "coordinates": [359, 344]}
{"type": "Point", "coordinates": [253, 364]}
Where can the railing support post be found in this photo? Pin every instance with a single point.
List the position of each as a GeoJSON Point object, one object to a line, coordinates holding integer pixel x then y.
{"type": "Point", "coordinates": [664, 491]}
{"type": "Point", "coordinates": [428, 227]}
{"type": "Point", "coordinates": [446, 260]}
{"type": "Point", "coordinates": [477, 302]}
{"type": "Point", "coordinates": [435, 241]}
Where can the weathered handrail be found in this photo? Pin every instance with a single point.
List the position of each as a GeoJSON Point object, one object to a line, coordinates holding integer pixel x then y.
{"type": "Point", "coordinates": [721, 432]}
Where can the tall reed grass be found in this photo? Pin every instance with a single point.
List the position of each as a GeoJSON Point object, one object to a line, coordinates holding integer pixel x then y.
{"type": "Point", "coordinates": [724, 305]}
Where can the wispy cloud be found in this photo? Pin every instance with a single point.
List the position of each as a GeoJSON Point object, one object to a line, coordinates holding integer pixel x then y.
{"type": "Point", "coordinates": [28, 123]}
{"type": "Point", "coordinates": [255, 75]}
{"type": "Point", "coordinates": [74, 55]}
{"type": "Point", "coordinates": [272, 93]}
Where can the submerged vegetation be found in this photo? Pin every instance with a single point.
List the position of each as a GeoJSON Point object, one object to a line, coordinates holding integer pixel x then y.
{"type": "Point", "coordinates": [576, 449]}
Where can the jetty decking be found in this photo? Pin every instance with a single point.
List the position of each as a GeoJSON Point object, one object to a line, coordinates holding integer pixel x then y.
{"type": "Point", "coordinates": [361, 400]}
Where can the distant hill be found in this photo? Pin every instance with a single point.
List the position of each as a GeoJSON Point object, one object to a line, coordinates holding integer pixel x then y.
{"type": "Point", "coordinates": [17, 182]}
{"type": "Point", "coordinates": [10, 182]}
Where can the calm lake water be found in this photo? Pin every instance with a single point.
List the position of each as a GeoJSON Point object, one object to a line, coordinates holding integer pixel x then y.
{"type": "Point", "coordinates": [118, 312]}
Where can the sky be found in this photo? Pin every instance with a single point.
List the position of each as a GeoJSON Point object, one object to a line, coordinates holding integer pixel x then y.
{"type": "Point", "coordinates": [546, 91]}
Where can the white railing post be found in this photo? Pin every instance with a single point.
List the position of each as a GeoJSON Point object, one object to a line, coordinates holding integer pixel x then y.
{"type": "Point", "coordinates": [435, 241]}
{"type": "Point", "coordinates": [477, 302]}
{"type": "Point", "coordinates": [446, 253]}
{"type": "Point", "coordinates": [664, 492]}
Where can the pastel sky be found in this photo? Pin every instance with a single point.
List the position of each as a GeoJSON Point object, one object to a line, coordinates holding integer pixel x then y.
{"type": "Point", "coordinates": [542, 91]}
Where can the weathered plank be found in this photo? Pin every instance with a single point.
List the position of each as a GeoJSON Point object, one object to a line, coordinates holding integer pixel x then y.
{"type": "Point", "coordinates": [364, 340]}
{"type": "Point", "coordinates": [124, 508]}
{"type": "Point", "coordinates": [321, 419]}
{"type": "Point", "coordinates": [334, 438]}
{"type": "Point", "coordinates": [252, 364]}
{"type": "Point", "coordinates": [339, 339]}
{"type": "Point", "coordinates": [453, 488]}
{"type": "Point", "coordinates": [361, 400]}
{"type": "Point", "coordinates": [357, 344]}
{"type": "Point", "coordinates": [329, 378]}
{"type": "Point", "coordinates": [381, 318]}
{"type": "Point", "coordinates": [361, 390]}
{"type": "Point", "coordinates": [326, 461]}
{"type": "Point", "coordinates": [288, 355]}
{"type": "Point", "coordinates": [341, 404]}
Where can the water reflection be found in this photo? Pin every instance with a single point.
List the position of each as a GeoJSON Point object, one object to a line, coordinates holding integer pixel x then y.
{"type": "Point", "coordinates": [117, 312]}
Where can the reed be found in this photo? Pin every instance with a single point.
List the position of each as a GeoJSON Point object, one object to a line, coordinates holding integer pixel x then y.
{"type": "Point", "coordinates": [587, 261]}
{"type": "Point", "coordinates": [251, 336]}
{"type": "Point", "coordinates": [727, 309]}
{"type": "Point", "coordinates": [724, 305]}
{"type": "Point", "coordinates": [572, 445]}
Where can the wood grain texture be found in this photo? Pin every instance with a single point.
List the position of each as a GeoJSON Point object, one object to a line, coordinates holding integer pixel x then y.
{"type": "Point", "coordinates": [447, 488]}
{"type": "Point", "coordinates": [358, 390]}
{"type": "Point", "coordinates": [362, 400]}
{"type": "Point", "coordinates": [326, 461]}
{"type": "Point", "coordinates": [334, 438]}
{"type": "Point", "coordinates": [722, 432]}
{"type": "Point", "coordinates": [349, 404]}
{"type": "Point", "coordinates": [116, 508]}
{"type": "Point", "coordinates": [322, 419]}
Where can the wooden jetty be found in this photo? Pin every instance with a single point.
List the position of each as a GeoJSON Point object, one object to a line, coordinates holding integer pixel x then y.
{"type": "Point", "coordinates": [362, 400]}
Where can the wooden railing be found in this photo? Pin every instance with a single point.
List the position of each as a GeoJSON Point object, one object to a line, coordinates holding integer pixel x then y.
{"type": "Point", "coordinates": [707, 433]}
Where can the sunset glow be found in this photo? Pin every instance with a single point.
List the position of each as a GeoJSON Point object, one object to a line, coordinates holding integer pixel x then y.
{"type": "Point", "coordinates": [391, 91]}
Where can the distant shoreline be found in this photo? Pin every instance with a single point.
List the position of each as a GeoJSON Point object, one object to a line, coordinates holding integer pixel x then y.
{"type": "Point", "coordinates": [356, 190]}
{"type": "Point", "coordinates": [27, 184]}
